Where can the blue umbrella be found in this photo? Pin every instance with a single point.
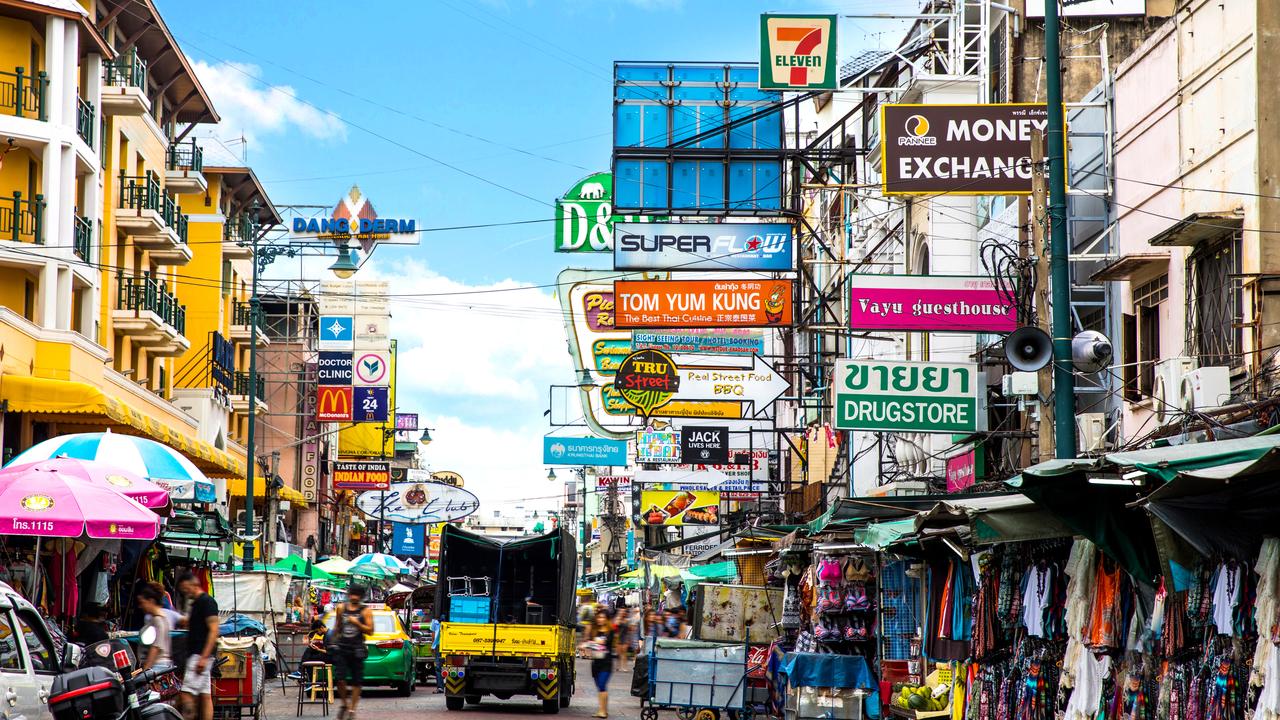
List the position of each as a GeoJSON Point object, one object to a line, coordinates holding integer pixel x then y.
{"type": "Point", "coordinates": [139, 455]}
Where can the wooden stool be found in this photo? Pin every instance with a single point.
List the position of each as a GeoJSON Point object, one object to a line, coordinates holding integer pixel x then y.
{"type": "Point", "coordinates": [316, 675]}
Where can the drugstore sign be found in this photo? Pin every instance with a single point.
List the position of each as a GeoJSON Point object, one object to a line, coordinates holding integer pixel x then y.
{"type": "Point", "coordinates": [904, 396]}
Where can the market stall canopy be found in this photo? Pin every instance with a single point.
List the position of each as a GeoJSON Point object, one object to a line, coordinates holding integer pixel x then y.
{"type": "Point", "coordinates": [299, 566]}
{"type": "Point", "coordinates": [715, 572]}
{"type": "Point", "coordinates": [336, 566]}
{"type": "Point", "coordinates": [852, 511]}
{"type": "Point", "coordinates": [390, 563]}
{"type": "Point", "coordinates": [141, 456]}
{"type": "Point", "coordinates": [147, 493]}
{"type": "Point", "coordinates": [655, 571]}
{"type": "Point", "coordinates": [42, 500]}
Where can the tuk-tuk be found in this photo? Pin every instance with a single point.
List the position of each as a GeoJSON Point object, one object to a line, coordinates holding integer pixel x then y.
{"type": "Point", "coordinates": [416, 609]}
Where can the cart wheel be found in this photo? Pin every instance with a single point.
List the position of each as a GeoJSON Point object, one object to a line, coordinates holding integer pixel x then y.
{"type": "Point", "coordinates": [648, 713]}
{"type": "Point", "coordinates": [706, 714]}
{"type": "Point", "coordinates": [685, 713]}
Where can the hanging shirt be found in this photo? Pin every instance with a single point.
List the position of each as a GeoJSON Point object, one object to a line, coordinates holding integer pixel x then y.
{"type": "Point", "coordinates": [1035, 599]}
{"type": "Point", "coordinates": [1226, 594]}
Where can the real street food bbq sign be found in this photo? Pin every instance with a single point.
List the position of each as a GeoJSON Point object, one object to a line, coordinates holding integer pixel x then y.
{"type": "Point", "coordinates": [702, 303]}
{"type": "Point", "coordinates": [959, 149]}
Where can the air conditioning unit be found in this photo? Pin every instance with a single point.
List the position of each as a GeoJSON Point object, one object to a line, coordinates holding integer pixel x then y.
{"type": "Point", "coordinates": [1166, 393]}
{"type": "Point", "coordinates": [1206, 388]}
{"type": "Point", "coordinates": [1091, 431]}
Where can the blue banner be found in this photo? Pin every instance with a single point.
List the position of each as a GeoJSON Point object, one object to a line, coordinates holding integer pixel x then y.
{"type": "Point", "coordinates": [558, 450]}
{"type": "Point", "coordinates": [409, 539]}
{"type": "Point", "coordinates": [702, 246]}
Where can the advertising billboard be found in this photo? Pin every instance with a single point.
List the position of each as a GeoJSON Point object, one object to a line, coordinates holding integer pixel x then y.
{"type": "Point", "coordinates": [958, 149]}
{"type": "Point", "coordinates": [907, 396]}
{"type": "Point", "coordinates": [409, 539]}
{"type": "Point", "coordinates": [597, 346]}
{"type": "Point", "coordinates": [961, 471]}
{"type": "Point", "coordinates": [333, 403]}
{"type": "Point", "coordinates": [798, 52]}
{"type": "Point", "coordinates": [679, 507]}
{"type": "Point", "coordinates": [703, 246]}
{"type": "Point", "coordinates": [702, 303]}
{"type": "Point", "coordinates": [704, 444]}
{"type": "Point", "coordinates": [419, 503]}
{"type": "Point", "coordinates": [710, 341]}
{"type": "Point", "coordinates": [558, 450]}
{"type": "Point", "coordinates": [362, 475]}
{"type": "Point", "coordinates": [657, 446]}
{"type": "Point", "coordinates": [584, 216]}
{"type": "Point", "coordinates": [932, 303]}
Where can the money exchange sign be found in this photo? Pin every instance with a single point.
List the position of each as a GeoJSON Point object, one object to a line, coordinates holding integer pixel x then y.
{"type": "Point", "coordinates": [905, 396]}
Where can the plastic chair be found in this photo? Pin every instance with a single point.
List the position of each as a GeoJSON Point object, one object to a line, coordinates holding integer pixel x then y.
{"type": "Point", "coordinates": [316, 676]}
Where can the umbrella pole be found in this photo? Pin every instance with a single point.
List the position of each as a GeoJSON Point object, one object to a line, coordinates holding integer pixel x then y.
{"type": "Point", "coordinates": [35, 573]}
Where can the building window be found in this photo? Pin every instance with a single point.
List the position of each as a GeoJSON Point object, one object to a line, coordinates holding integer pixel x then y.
{"type": "Point", "coordinates": [1145, 336]}
{"type": "Point", "coordinates": [1215, 303]}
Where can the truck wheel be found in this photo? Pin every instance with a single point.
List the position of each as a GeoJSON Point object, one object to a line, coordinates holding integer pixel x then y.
{"type": "Point", "coordinates": [551, 707]}
{"type": "Point", "coordinates": [473, 699]}
{"type": "Point", "coordinates": [453, 702]}
{"type": "Point", "coordinates": [564, 700]}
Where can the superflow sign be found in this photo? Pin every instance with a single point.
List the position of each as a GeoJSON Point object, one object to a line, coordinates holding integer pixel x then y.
{"type": "Point", "coordinates": [798, 52]}
{"type": "Point", "coordinates": [903, 396]}
{"type": "Point", "coordinates": [704, 445]}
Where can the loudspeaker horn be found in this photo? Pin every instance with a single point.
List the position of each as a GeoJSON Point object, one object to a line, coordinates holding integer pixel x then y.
{"type": "Point", "coordinates": [1028, 348]}
{"type": "Point", "coordinates": [1091, 351]}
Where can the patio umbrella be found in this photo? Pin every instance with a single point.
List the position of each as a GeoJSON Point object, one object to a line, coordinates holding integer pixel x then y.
{"type": "Point", "coordinates": [336, 566]}
{"type": "Point", "coordinates": [147, 493]}
{"type": "Point", "coordinates": [298, 567]}
{"type": "Point", "coordinates": [141, 456]}
{"type": "Point", "coordinates": [39, 500]}
{"type": "Point", "coordinates": [371, 571]}
{"type": "Point", "coordinates": [389, 562]}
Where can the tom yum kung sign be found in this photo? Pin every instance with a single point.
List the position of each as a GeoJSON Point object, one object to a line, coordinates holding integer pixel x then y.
{"type": "Point", "coordinates": [932, 303]}
{"type": "Point", "coordinates": [903, 396]}
{"type": "Point", "coordinates": [959, 149]}
{"type": "Point", "coordinates": [702, 303]}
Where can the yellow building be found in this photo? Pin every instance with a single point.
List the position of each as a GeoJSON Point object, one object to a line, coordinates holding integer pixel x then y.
{"type": "Point", "coordinates": [108, 288]}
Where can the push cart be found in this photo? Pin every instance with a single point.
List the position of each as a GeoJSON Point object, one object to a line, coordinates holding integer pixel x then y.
{"type": "Point", "coordinates": [698, 680]}
{"type": "Point", "coordinates": [237, 692]}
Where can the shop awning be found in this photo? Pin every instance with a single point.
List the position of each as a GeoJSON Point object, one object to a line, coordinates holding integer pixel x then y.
{"type": "Point", "coordinates": [847, 511]}
{"type": "Point", "coordinates": [77, 402]}
{"type": "Point", "coordinates": [235, 488]}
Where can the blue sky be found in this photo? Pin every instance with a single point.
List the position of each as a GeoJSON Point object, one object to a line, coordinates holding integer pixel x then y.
{"type": "Point", "coordinates": [327, 94]}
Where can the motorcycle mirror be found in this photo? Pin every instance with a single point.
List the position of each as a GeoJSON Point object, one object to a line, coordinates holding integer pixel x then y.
{"type": "Point", "coordinates": [72, 654]}
{"type": "Point", "coordinates": [148, 636]}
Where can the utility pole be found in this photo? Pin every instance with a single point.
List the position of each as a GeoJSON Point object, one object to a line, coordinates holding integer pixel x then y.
{"type": "Point", "coordinates": [1064, 382]}
{"type": "Point", "coordinates": [251, 457]}
{"type": "Point", "coordinates": [1039, 217]}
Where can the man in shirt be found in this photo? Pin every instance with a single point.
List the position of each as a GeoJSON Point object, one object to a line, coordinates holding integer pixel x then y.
{"type": "Point", "coordinates": [202, 638]}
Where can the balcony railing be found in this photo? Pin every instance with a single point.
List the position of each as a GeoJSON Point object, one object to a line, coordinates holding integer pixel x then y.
{"type": "Point", "coordinates": [238, 230]}
{"type": "Point", "coordinates": [242, 385]}
{"type": "Point", "coordinates": [23, 95]}
{"type": "Point", "coordinates": [127, 69]}
{"type": "Point", "coordinates": [241, 314]}
{"type": "Point", "coordinates": [143, 192]}
{"type": "Point", "coordinates": [147, 293]}
{"type": "Point", "coordinates": [22, 220]}
{"type": "Point", "coordinates": [185, 156]}
{"type": "Point", "coordinates": [83, 240]}
{"type": "Point", "coordinates": [85, 120]}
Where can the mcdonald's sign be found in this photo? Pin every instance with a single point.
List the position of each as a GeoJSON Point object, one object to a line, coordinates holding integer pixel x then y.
{"type": "Point", "coordinates": [333, 403]}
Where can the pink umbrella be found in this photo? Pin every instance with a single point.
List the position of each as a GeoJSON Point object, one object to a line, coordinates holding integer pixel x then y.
{"type": "Point", "coordinates": [129, 484]}
{"type": "Point", "coordinates": [45, 500]}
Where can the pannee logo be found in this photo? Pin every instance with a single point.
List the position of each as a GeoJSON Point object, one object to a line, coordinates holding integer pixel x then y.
{"type": "Point", "coordinates": [917, 132]}
{"type": "Point", "coordinates": [333, 403]}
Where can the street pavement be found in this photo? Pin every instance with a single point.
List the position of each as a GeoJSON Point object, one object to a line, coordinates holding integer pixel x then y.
{"type": "Point", "coordinates": [384, 704]}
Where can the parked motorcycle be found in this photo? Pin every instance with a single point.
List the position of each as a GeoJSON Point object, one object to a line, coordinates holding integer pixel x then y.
{"type": "Point", "coordinates": [106, 688]}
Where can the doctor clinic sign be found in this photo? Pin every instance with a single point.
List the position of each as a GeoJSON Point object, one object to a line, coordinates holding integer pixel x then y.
{"type": "Point", "coordinates": [904, 396]}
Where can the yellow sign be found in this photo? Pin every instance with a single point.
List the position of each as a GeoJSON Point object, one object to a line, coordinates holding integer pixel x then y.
{"type": "Point", "coordinates": [508, 640]}
{"type": "Point", "coordinates": [718, 409]}
{"type": "Point", "coordinates": [679, 507]}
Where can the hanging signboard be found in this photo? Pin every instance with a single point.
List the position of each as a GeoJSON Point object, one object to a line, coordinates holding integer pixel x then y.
{"type": "Point", "coordinates": [710, 341]}
{"type": "Point", "coordinates": [702, 246]}
{"type": "Point", "coordinates": [905, 396]}
{"type": "Point", "coordinates": [741, 478]}
{"type": "Point", "coordinates": [408, 539]}
{"type": "Point", "coordinates": [758, 385]}
{"type": "Point", "coordinates": [407, 422]}
{"type": "Point", "coordinates": [961, 471]}
{"type": "Point", "coordinates": [933, 303]}
{"type": "Point", "coordinates": [310, 470]}
{"type": "Point", "coordinates": [333, 403]}
{"type": "Point", "coordinates": [371, 404]}
{"type": "Point", "coordinates": [337, 332]}
{"type": "Point", "coordinates": [657, 446]}
{"type": "Point", "coordinates": [334, 368]}
{"type": "Point", "coordinates": [598, 348]}
{"type": "Point", "coordinates": [702, 303]}
{"type": "Point", "coordinates": [604, 482]}
{"type": "Point", "coordinates": [422, 503]}
{"type": "Point", "coordinates": [362, 475]}
{"type": "Point", "coordinates": [679, 507]}
{"type": "Point", "coordinates": [959, 149]}
{"type": "Point", "coordinates": [798, 52]}
{"type": "Point", "coordinates": [647, 379]}
{"type": "Point", "coordinates": [704, 444]}
{"type": "Point", "coordinates": [559, 450]}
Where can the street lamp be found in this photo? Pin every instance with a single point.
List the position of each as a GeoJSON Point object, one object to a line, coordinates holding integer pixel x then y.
{"type": "Point", "coordinates": [551, 475]}
{"type": "Point", "coordinates": [585, 381]}
{"type": "Point", "coordinates": [426, 437]}
{"type": "Point", "coordinates": [345, 266]}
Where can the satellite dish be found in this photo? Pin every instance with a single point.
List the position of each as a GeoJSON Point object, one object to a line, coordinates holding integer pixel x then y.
{"type": "Point", "coordinates": [1028, 348]}
{"type": "Point", "coordinates": [1091, 351]}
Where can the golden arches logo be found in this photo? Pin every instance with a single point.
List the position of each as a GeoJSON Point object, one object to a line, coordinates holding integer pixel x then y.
{"type": "Point", "coordinates": [917, 126]}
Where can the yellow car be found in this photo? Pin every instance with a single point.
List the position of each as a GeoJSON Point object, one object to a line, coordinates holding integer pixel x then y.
{"type": "Point", "coordinates": [390, 660]}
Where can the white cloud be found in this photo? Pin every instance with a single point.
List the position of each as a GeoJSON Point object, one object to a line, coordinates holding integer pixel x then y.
{"type": "Point", "coordinates": [502, 466]}
{"type": "Point", "coordinates": [252, 108]}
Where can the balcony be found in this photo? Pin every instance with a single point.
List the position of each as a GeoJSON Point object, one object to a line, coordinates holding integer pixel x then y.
{"type": "Point", "coordinates": [82, 241]}
{"type": "Point", "coordinates": [149, 314]}
{"type": "Point", "coordinates": [23, 95]}
{"type": "Point", "coordinates": [154, 219]}
{"type": "Point", "coordinates": [22, 220]}
{"type": "Point", "coordinates": [240, 394]}
{"type": "Point", "coordinates": [184, 168]}
{"type": "Point", "coordinates": [124, 90]}
{"type": "Point", "coordinates": [86, 118]}
{"type": "Point", "coordinates": [241, 320]}
{"type": "Point", "coordinates": [237, 234]}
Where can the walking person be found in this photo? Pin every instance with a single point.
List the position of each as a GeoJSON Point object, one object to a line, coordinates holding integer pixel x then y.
{"type": "Point", "coordinates": [601, 647]}
{"type": "Point", "coordinates": [202, 639]}
{"type": "Point", "coordinates": [151, 602]}
{"type": "Point", "coordinates": [435, 651]}
{"type": "Point", "coordinates": [352, 621]}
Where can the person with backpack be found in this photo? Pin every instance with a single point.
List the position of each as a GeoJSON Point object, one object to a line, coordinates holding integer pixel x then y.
{"type": "Point", "coordinates": [352, 621]}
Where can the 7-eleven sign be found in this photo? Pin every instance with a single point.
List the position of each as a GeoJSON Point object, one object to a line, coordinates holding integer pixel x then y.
{"type": "Point", "coordinates": [798, 52]}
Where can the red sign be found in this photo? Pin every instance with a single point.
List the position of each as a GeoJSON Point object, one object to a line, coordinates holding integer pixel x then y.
{"type": "Point", "coordinates": [333, 403]}
{"type": "Point", "coordinates": [960, 472]}
{"type": "Point", "coordinates": [362, 475]}
{"type": "Point", "coordinates": [701, 303]}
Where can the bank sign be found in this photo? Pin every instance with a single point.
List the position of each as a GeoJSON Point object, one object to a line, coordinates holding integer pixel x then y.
{"type": "Point", "coordinates": [798, 52]}
{"type": "Point", "coordinates": [558, 450]}
{"type": "Point", "coordinates": [959, 149]}
{"type": "Point", "coordinates": [702, 246]}
{"type": "Point", "coordinates": [905, 396]}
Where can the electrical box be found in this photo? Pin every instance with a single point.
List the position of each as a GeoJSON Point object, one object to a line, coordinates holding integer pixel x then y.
{"type": "Point", "coordinates": [1021, 383]}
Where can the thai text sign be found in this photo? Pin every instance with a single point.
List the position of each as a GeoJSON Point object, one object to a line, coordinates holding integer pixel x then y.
{"type": "Point", "coordinates": [959, 149]}
{"type": "Point", "coordinates": [419, 503]}
{"type": "Point", "coordinates": [930, 303]}
{"type": "Point", "coordinates": [557, 450]}
{"type": "Point", "coordinates": [726, 341]}
{"type": "Point", "coordinates": [702, 246]}
{"type": "Point", "coordinates": [362, 475]}
{"type": "Point", "coordinates": [798, 52]}
{"type": "Point", "coordinates": [657, 446]}
{"type": "Point", "coordinates": [679, 507]}
{"type": "Point", "coordinates": [702, 303]}
{"type": "Point", "coordinates": [961, 471]}
{"type": "Point", "coordinates": [903, 396]}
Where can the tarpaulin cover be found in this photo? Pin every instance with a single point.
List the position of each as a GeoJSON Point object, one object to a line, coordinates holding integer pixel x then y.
{"type": "Point", "coordinates": [252, 592]}
{"type": "Point", "coordinates": [540, 571]}
{"type": "Point", "coordinates": [1230, 522]}
{"type": "Point", "coordinates": [825, 670]}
